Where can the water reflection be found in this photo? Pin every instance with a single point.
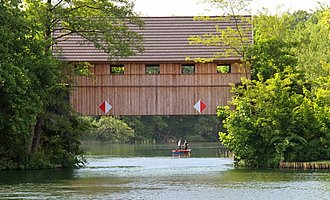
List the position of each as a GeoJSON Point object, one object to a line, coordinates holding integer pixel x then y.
{"type": "Point", "coordinates": [204, 149]}
{"type": "Point", "coordinates": [35, 176]}
{"type": "Point", "coordinates": [161, 176]}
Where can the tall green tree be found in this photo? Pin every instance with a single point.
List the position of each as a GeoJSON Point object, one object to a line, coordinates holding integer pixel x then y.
{"type": "Point", "coordinates": [103, 23]}
{"type": "Point", "coordinates": [272, 50]}
{"type": "Point", "coordinates": [281, 114]}
{"type": "Point", "coordinates": [279, 119]}
{"type": "Point", "coordinates": [298, 40]}
{"type": "Point", "coordinates": [21, 55]}
{"type": "Point", "coordinates": [37, 127]}
{"type": "Point", "coordinates": [312, 36]}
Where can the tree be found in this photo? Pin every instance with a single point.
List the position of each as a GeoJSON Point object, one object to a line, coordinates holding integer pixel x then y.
{"type": "Point", "coordinates": [172, 128]}
{"type": "Point", "coordinates": [280, 119]}
{"type": "Point", "coordinates": [34, 85]}
{"type": "Point", "coordinates": [281, 115]}
{"type": "Point", "coordinates": [207, 128]}
{"type": "Point", "coordinates": [150, 128]}
{"type": "Point", "coordinates": [111, 129]}
{"type": "Point", "coordinates": [103, 23]}
{"type": "Point", "coordinates": [272, 50]}
{"type": "Point", "coordinates": [270, 56]}
{"type": "Point", "coordinates": [21, 54]}
{"type": "Point", "coordinates": [237, 38]}
{"type": "Point", "coordinates": [314, 44]}
{"type": "Point", "coordinates": [299, 40]}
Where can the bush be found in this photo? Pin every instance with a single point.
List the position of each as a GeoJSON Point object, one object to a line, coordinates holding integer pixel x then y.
{"type": "Point", "coordinates": [280, 119]}
{"type": "Point", "coordinates": [111, 129]}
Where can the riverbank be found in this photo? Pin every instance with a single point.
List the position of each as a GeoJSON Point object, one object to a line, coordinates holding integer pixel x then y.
{"type": "Point", "coordinates": [306, 165]}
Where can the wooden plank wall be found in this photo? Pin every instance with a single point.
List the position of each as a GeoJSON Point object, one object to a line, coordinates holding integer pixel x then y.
{"type": "Point", "coordinates": [167, 93]}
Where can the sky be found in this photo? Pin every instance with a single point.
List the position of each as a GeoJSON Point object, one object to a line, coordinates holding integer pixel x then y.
{"type": "Point", "coordinates": [195, 7]}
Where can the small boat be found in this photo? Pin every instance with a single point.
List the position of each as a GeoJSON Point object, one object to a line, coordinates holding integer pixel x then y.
{"type": "Point", "coordinates": [181, 151]}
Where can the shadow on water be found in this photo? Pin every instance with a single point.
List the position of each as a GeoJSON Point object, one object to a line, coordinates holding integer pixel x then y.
{"type": "Point", "coordinates": [35, 176]}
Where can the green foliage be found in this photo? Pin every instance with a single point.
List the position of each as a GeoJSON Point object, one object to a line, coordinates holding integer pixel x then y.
{"type": "Point", "coordinates": [152, 69]}
{"type": "Point", "coordinates": [171, 128]}
{"type": "Point", "coordinates": [267, 26]}
{"type": "Point", "coordinates": [223, 69]}
{"type": "Point", "coordinates": [235, 39]}
{"type": "Point", "coordinates": [300, 40]}
{"type": "Point", "coordinates": [313, 37]}
{"type": "Point", "coordinates": [117, 69]}
{"type": "Point", "coordinates": [19, 102]}
{"type": "Point", "coordinates": [188, 69]}
{"type": "Point", "coordinates": [103, 23]}
{"type": "Point", "coordinates": [206, 127]}
{"type": "Point", "coordinates": [37, 127]}
{"type": "Point", "coordinates": [279, 119]}
{"type": "Point", "coordinates": [62, 131]}
{"type": "Point", "coordinates": [149, 128]}
{"type": "Point", "coordinates": [270, 56]}
{"type": "Point", "coordinates": [111, 129]}
{"type": "Point", "coordinates": [273, 47]}
{"type": "Point", "coordinates": [283, 113]}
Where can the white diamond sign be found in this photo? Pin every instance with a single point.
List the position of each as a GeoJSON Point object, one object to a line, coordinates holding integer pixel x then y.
{"type": "Point", "coordinates": [200, 106]}
{"type": "Point", "coordinates": [105, 107]}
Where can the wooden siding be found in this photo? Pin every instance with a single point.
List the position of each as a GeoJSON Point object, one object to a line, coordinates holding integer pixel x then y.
{"type": "Point", "coordinates": [167, 93]}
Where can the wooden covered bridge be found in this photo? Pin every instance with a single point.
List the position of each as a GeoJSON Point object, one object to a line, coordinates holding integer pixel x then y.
{"type": "Point", "coordinates": [160, 80]}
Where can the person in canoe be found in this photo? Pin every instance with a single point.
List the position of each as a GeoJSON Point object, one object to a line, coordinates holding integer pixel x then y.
{"type": "Point", "coordinates": [179, 144]}
{"type": "Point", "coordinates": [185, 145]}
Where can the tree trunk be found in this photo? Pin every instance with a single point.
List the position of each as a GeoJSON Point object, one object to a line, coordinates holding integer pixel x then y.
{"type": "Point", "coordinates": [29, 147]}
{"type": "Point", "coordinates": [40, 120]}
{"type": "Point", "coordinates": [37, 135]}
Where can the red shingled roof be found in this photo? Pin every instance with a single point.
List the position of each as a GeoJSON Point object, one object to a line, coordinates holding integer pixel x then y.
{"type": "Point", "coordinates": [165, 40]}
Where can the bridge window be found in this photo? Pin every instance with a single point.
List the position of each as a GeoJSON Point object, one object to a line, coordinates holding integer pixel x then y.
{"type": "Point", "coordinates": [223, 68]}
{"type": "Point", "coordinates": [117, 69]}
{"type": "Point", "coordinates": [188, 69]}
{"type": "Point", "coordinates": [152, 69]}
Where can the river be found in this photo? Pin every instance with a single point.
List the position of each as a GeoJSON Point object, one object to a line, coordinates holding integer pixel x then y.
{"type": "Point", "coordinates": [149, 171]}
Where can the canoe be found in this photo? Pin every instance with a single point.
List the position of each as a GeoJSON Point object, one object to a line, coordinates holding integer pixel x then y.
{"type": "Point", "coordinates": [180, 151]}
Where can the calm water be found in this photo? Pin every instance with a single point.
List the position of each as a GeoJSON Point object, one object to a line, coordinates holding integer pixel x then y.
{"type": "Point", "coordinates": [150, 172]}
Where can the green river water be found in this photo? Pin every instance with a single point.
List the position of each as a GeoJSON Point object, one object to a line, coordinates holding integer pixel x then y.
{"type": "Point", "coordinates": [149, 171]}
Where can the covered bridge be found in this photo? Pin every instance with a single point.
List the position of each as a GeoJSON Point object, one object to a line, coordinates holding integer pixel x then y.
{"type": "Point", "coordinates": [160, 80]}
